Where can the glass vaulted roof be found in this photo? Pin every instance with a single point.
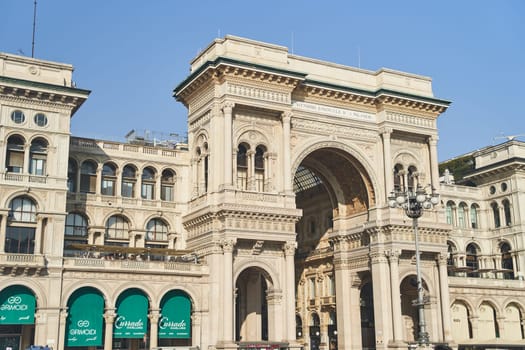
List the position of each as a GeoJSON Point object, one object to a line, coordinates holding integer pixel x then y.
{"type": "Point", "coordinates": [305, 179]}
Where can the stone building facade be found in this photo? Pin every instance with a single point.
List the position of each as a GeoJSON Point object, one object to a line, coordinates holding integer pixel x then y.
{"type": "Point", "coordinates": [269, 228]}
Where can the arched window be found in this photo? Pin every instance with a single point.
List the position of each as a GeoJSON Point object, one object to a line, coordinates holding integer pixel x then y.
{"type": "Point", "coordinates": [259, 168]}
{"type": "Point", "coordinates": [14, 162]}
{"type": "Point", "coordinates": [76, 225]}
{"type": "Point", "coordinates": [148, 183]}
{"type": "Point", "coordinates": [38, 157]}
{"type": "Point", "coordinates": [495, 212]}
{"type": "Point", "coordinates": [242, 167]}
{"type": "Point", "coordinates": [109, 178]}
{"type": "Point", "coordinates": [21, 228]}
{"type": "Point", "coordinates": [206, 166]}
{"type": "Point", "coordinates": [129, 178]}
{"type": "Point", "coordinates": [506, 261]}
{"type": "Point", "coordinates": [398, 177]}
{"type": "Point", "coordinates": [449, 212]}
{"type": "Point", "coordinates": [117, 228]}
{"type": "Point", "coordinates": [474, 216]}
{"type": "Point", "coordinates": [72, 170]}
{"type": "Point", "coordinates": [156, 230]}
{"type": "Point", "coordinates": [167, 182]}
{"type": "Point", "coordinates": [462, 214]}
{"type": "Point", "coordinates": [506, 211]}
{"type": "Point", "coordinates": [76, 231]}
{"type": "Point", "coordinates": [472, 260]}
{"type": "Point", "coordinates": [88, 177]}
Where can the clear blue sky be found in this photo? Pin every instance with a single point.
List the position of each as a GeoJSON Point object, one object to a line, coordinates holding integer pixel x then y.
{"type": "Point", "coordinates": [131, 54]}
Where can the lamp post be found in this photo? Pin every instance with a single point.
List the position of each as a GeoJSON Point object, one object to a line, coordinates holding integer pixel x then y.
{"type": "Point", "coordinates": [413, 202]}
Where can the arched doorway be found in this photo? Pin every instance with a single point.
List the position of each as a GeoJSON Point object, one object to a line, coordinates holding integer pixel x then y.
{"type": "Point", "coordinates": [251, 306]}
{"type": "Point", "coordinates": [334, 192]}
{"type": "Point", "coordinates": [366, 299]}
{"type": "Point", "coordinates": [17, 319]}
{"type": "Point", "coordinates": [409, 311]}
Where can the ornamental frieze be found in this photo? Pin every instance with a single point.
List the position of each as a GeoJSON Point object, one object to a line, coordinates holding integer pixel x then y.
{"type": "Point", "coordinates": [400, 118]}
{"type": "Point", "coordinates": [199, 121]}
{"type": "Point", "coordinates": [202, 99]}
{"type": "Point", "coordinates": [318, 127]}
{"type": "Point", "coordinates": [258, 93]}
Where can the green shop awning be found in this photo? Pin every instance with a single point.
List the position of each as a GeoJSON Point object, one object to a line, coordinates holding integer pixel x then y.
{"type": "Point", "coordinates": [175, 310]}
{"type": "Point", "coordinates": [132, 315]}
{"type": "Point", "coordinates": [17, 306]}
{"type": "Point", "coordinates": [85, 318]}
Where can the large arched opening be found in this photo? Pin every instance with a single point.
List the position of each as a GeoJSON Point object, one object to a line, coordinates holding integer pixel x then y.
{"type": "Point", "coordinates": [334, 191]}
{"type": "Point", "coordinates": [251, 307]}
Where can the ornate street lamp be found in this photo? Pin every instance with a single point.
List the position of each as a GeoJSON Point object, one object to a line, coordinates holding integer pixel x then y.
{"type": "Point", "coordinates": [413, 202]}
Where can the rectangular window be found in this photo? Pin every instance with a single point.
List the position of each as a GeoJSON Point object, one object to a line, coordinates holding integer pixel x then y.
{"type": "Point", "coordinates": [166, 193]}
{"type": "Point", "coordinates": [127, 189]}
{"type": "Point", "coordinates": [88, 183]}
{"type": "Point", "coordinates": [147, 191]}
{"type": "Point", "coordinates": [108, 187]}
{"type": "Point", "coordinates": [20, 240]}
{"type": "Point", "coordinates": [15, 162]}
{"type": "Point", "coordinates": [37, 166]}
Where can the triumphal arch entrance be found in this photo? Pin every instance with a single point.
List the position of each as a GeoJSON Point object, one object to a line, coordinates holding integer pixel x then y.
{"type": "Point", "coordinates": [293, 160]}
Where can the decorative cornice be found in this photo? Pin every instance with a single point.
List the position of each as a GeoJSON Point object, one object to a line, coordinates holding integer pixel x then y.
{"type": "Point", "coordinates": [57, 94]}
{"type": "Point", "coordinates": [223, 68]}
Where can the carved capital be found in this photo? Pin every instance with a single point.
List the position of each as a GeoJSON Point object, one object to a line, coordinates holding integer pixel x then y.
{"type": "Point", "coordinates": [386, 131]}
{"type": "Point", "coordinates": [289, 248]}
{"type": "Point", "coordinates": [286, 116]}
{"type": "Point", "coordinates": [227, 107]}
{"type": "Point", "coordinates": [228, 245]}
{"type": "Point", "coordinates": [393, 256]}
{"type": "Point", "coordinates": [154, 316]}
{"type": "Point", "coordinates": [442, 259]}
{"type": "Point", "coordinates": [109, 316]}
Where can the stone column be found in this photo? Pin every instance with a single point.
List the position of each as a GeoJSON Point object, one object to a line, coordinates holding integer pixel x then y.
{"type": "Point", "coordinates": [202, 174]}
{"type": "Point", "coordinates": [387, 159]}
{"type": "Point", "coordinates": [289, 252]}
{"type": "Point", "coordinates": [27, 152]}
{"type": "Point", "coordinates": [195, 177]}
{"type": "Point", "coordinates": [444, 297]}
{"type": "Point", "coordinates": [118, 183]}
{"type": "Point", "coordinates": [196, 320]}
{"type": "Point", "coordinates": [274, 299]}
{"type": "Point", "coordinates": [3, 229]}
{"type": "Point", "coordinates": [156, 195]}
{"type": "Point", "coordinates": [98, 181]}
{"type": "Point", "coordinates": [382, 314]}
{"type": "Point", "coordinates": [286, 118]}
{"type": "Point", "coordinates": [109, 317]}
{"type": "Point", "coordinates": [251, 170]}
{"type": "Point", "coordinates": [432, 144]}
{"type": "Point", "coordinates": [397, 317]}
{"type": "Point", "coordinates": [227, 246]}
{"type": "Point", "coordinates": [38, 234]}
{"type": "Point", "coordinates": [61, 343]}
{"type": "Point", "coordinates": [154, 316]}
{"type": "Point", "coordinates": [227, 109]}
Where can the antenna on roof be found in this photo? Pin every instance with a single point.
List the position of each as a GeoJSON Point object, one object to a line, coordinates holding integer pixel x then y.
{"type": "Point", "coordinates": [509, 137]}
{"type": "Point", "coordinates": [34, 27]}
{"type": "Point", "coordinates": [292, 42]}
